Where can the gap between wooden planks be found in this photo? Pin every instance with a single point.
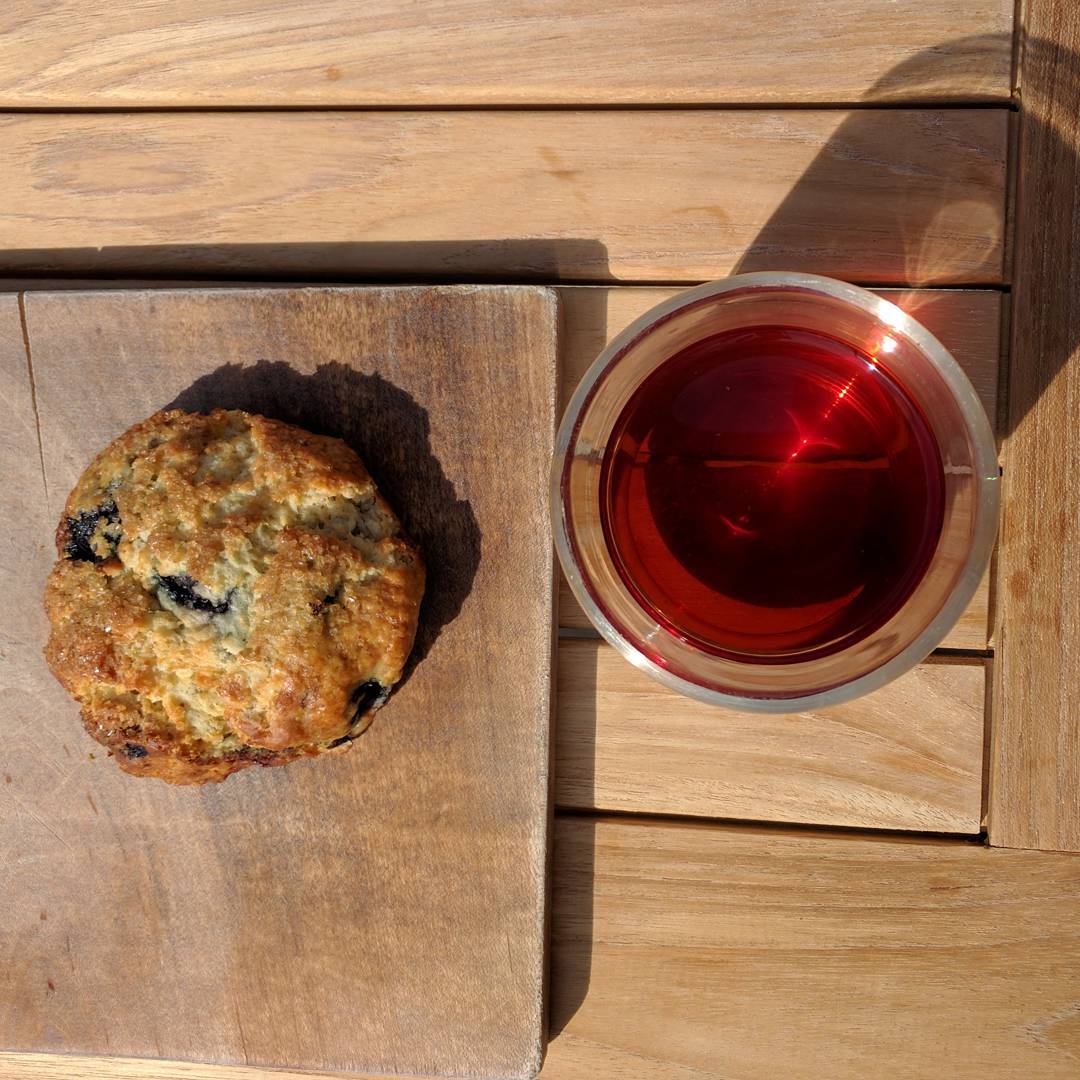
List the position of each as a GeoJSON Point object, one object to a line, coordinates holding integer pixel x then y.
{"type": "Point", "coordinates": [701, 951]}
{"type": "Point", "coordinates": [339, 53]}
{"type": "Point", "coordinates": [895, 196]}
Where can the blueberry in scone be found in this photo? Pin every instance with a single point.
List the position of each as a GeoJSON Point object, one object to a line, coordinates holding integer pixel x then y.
{"type": "Point", "coordinates": [230, 591]}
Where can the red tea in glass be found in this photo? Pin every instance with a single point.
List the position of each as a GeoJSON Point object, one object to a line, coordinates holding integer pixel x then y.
{"type": "Point", "coordinates": [771, 494]}
{"type": "Point", "coordinates": [774, 492]}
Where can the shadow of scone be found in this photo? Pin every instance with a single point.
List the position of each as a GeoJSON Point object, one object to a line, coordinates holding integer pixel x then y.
{"type": "Point", "coordinates": [231, 591]}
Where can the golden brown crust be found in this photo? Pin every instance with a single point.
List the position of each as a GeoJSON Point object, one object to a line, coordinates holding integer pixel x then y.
{"type": "Point", "coordinates": [230, 591]}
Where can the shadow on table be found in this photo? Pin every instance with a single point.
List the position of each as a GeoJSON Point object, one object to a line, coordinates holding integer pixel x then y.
{"type": "Point", "coordinates": [575, 834]}
{"type": "Point", "coordinates": [483, 261]}
{"type": "Point", "coordinates": [391, 433]}
{"type": "Point", "coordinates": [967, 240]}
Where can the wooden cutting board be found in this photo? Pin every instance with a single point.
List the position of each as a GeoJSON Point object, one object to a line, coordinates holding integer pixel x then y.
{"type": "Point", "coordinates": [380, 911]}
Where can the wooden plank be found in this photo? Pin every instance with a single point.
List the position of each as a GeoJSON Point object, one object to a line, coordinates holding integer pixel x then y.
{"type": "Point", "coordinates": [320, 915]}
{"type": "Point", "coordinates": [908, 756]}
{"type": "Point", "coordinates": [1035, 764]}
{"type": "Point", "coordinates": [285, 52]}
{"type": "Point", "coordinates": [79, 1067]}
{"type": "Point", "coordinates": [886, 196]}
{"type": "Point", "coordinates": [968, 322]}
{"type": "Point", "coordinates": [683, 952]}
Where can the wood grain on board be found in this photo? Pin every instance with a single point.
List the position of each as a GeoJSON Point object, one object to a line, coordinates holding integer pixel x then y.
{"type": "Point", "coordinates": [462, 52]}
{"type": "Point", "coordinates": [908, 756]}
{"type": "Point", "coordinates": [321, 915]}
{"type": "Point", "coordinates": [690, 952]}
{"type": "Point", "coordinates": [1035, 771]}
{"type": "Point", "coordinates": [686, 952]}
{"type": "Point", "coordinates": [967, 321]}
{"type": "Point", "coordinates": [883, 196]}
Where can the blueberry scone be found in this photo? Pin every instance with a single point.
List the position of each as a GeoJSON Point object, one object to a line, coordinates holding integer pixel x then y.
{"type": "Point", "coordinates": [230, 591]}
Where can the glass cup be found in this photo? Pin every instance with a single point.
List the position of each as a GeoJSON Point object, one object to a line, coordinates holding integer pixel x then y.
{"type": "Point", "coordinates": [930, 378]}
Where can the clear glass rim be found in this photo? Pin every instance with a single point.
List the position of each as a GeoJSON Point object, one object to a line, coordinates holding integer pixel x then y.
{"type": "Point", "coordinates": [985, 469]}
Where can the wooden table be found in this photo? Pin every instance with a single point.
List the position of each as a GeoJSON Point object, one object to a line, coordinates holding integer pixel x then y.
{"type": "Point", "coordinates": [885, 888]}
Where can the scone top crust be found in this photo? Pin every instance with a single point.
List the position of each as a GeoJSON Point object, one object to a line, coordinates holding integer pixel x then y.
{"type": "Point", "coordinates": [230, 591]}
